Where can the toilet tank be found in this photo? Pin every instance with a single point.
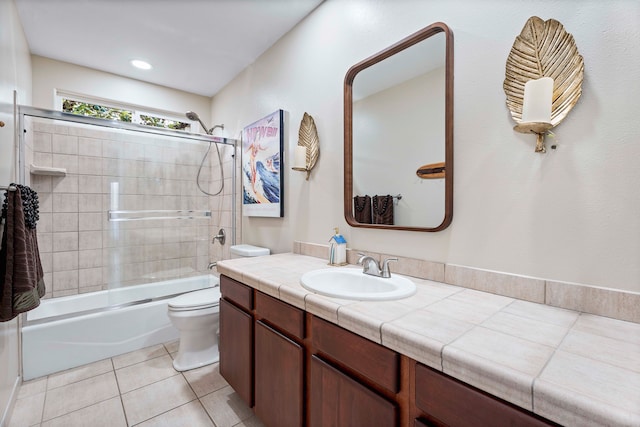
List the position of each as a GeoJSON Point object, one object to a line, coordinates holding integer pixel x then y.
{"type": "Point", "coordinates": [240, 251]}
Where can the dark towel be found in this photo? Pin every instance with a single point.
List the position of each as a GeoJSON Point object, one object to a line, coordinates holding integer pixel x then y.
{"type": "Point", "coordinates": [21, 275]}
{"type": "Point", "coordinates": [362, 209]}
{"type": "Point", "coordinates": [383, 210]}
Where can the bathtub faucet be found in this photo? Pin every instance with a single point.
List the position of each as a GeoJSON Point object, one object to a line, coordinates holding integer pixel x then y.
{"type": "Point", "coordinates": [212, 265]}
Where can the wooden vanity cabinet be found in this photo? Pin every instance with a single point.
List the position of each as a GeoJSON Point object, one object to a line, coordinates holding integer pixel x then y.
{"type": "Point", "coordinates": [236, 337]}
{"type": "Point", "coordinates": [295, 369]}
{"type": "Point", "coordinates": [279, 363]}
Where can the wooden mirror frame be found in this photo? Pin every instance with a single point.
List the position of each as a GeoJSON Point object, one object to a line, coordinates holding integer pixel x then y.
{"type": "Point", "coordinates": [409, 41]}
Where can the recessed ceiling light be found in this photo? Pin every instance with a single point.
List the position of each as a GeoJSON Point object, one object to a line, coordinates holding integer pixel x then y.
{"type": "Point", "coordinates": [141, 64]}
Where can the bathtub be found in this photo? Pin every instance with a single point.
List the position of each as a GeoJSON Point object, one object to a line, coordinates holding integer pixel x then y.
{"type": "Point", "coordinates": [71, 331]}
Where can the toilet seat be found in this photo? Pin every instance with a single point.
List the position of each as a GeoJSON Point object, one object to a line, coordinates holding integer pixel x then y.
{"type": "Point", "coordinates": [196, 300]}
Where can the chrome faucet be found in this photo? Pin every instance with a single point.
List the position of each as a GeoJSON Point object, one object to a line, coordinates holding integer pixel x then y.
{"type": "Point", "coordinates": [370, 266]}
{"type": "Point", "coordinates": [386, 273]}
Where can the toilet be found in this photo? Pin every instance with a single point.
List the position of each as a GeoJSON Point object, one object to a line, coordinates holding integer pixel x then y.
{"type": "Point", "coordinates": [196, 315]}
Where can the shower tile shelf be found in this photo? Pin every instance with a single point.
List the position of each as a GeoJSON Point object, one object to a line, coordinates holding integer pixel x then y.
{"type": "Point", "coordinates": [141, 215]}
{"type": "Point", "coordinates": [47, 170]}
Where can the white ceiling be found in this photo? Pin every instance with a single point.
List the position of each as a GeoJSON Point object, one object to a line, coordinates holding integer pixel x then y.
{"type": "Point", "coordinates": [196, 46]}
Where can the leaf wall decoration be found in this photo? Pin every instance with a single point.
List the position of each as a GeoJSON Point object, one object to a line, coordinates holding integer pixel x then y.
{"type": "Point", "coordinates": [544, 49]}
{"type": "Point", "coordinates": [308, 137]}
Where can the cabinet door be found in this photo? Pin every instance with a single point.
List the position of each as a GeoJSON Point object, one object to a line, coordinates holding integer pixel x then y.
{"type": "Point", "coordinates": [337, 400]}
{"type": "Point", "coordinates": [279, 378]}
{"type": "Point", "coordinates": [236, 349]}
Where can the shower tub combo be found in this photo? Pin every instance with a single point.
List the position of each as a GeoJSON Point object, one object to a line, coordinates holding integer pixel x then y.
{"type": "Point", "coordinates": [145, 214]}
{"type": "Point", "coordinates": [71, 331]}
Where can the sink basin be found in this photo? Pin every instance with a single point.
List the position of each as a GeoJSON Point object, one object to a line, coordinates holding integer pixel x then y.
{"type": "Point", "coordinates": [352, 283]}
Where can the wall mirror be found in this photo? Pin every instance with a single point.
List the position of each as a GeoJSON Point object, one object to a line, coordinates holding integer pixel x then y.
{"type": "Point", "coordinates": [398, 135]}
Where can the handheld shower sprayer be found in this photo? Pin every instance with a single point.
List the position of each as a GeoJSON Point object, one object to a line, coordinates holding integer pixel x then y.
{"type": "Point", "coordinates": [194, 116]}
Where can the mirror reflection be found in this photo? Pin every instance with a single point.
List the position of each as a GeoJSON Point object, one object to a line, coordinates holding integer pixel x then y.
{"type": "Point", "coordinates": [398, 135]}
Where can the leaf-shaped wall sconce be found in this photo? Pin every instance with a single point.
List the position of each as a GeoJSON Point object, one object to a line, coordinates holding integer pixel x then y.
{"type": "Point", "coordinates": [307, 138]}
{"type": "Point", "coordinates": [543, 49]}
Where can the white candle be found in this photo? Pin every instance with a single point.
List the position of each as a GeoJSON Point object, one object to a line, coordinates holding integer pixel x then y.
{"type": "Point", "coordinates": [300, 157]}
{"type": "Point", "coordinates": [538, 96]}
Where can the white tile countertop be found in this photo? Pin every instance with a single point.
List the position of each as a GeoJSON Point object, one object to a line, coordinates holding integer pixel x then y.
{"type": "Point", "coordinates": [576, 369]}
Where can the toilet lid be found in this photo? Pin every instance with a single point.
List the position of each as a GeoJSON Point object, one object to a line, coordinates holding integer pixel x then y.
{"type": "Point", "coordinates": [203, 298]}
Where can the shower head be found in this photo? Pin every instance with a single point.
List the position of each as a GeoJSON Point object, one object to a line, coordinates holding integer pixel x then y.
{"type": "Point", "coordinates": [194, 116]}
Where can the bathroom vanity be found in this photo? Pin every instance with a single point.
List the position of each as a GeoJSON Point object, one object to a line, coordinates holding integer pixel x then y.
{"type": "Point", "coordinates": [447, 355]}
{"type": "Point", "coordinates": [295, 369]}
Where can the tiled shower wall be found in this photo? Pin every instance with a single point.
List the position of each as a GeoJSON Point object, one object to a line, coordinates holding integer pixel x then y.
{"type": "Point", "coordinates": [81, 251]}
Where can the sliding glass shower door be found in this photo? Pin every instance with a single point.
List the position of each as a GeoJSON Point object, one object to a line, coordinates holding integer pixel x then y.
{"type": "Point", "coordinates": [126, 212]}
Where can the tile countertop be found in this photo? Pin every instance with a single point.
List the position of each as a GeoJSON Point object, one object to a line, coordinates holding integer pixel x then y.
{"type": "Point", "coordinates": [574, 368]}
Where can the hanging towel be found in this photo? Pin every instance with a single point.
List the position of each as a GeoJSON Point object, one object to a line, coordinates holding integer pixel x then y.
{"type": "Point", "coordinates": [21, 275]}
{"type": "Point", "coordinates": [362, 209]}
{"type": "Point", "coordinates": [382, 209]}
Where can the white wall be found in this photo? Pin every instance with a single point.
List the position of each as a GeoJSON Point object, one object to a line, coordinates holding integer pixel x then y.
{"type": "Point", "coordinates": [15, 74]}
{"type": "Point", "coordinates": [572, 214]}
{"type": "Point", "coordinates": [49, 75]}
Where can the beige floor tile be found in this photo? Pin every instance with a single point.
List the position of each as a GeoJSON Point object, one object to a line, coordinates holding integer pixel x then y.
{"type": "Point", "coordinates": [206, 379]}
{"type": "Point", "coordinates": [138, 356]}
{"type": "Point", "coordinates": [78, 395]}
{"type": "Point", "coordinates": [29, 388]}
{"type": "Point", "coordinates": [147, 402]}
{"type": "Point", "coordinates": [190, 415]}
{"type": "Point", "coordinates": [145, 373]}
{"type": "Point", "coordinates": [78, 374]}
{"type": "Point", "coordinates": [108, 413]}
{"type": "Point", "coordinates": [28, 411]}
{"type": "Point", "coordinates": [250, 422]}
{"type": "Point", "coordinates": [225, 407]}
{"type": "Point", "coordinates": [86, 395]}
{"type": "Point", "coordinates": [172, 347]}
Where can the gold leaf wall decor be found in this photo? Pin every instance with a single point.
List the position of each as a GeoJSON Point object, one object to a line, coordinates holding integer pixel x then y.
{"type": "Point", "coordinates": [544, 49]}
{"type": "Point", "coordinates": [308, 138]}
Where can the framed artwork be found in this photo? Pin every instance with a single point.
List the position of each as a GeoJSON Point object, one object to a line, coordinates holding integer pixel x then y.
{"type": "Point", "coordinates": [262, 173]}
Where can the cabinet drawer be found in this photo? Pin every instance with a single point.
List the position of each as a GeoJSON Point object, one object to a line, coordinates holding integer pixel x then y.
{"type": "Point", "coordinates": [375, 362]}
{"type": "Point", "coordinates": [232, 290]}
{"type": "Point", "coordinates": [280, 315]}
{"type": "Point", "coordinates": [457, 404]}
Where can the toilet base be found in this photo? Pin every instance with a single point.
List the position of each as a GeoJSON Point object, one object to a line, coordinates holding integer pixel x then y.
{"type": "Point", "coordinates": [192, 359]}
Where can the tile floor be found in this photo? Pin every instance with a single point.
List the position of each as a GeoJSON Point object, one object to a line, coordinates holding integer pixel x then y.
{"type": "Point", "coordinates": [134, 389]}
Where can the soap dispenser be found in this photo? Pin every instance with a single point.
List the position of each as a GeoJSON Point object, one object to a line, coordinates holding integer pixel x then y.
{"type": "Point", "coordinates": [337, 249]}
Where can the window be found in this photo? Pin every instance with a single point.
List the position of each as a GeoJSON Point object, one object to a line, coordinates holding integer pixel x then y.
{"type": "Point", "coordinates": [96, 110]}
{"type": "Point", "coordinates": [162, 122]}
{"type": "Point", "coordinates": [111, 111]}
